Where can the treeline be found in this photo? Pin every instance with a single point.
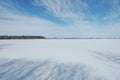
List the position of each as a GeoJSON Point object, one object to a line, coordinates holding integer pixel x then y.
{"type": "Point", "coordinates": [22, 37]}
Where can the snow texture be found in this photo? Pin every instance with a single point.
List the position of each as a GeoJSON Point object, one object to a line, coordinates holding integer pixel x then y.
{"type": "Point", "coordinates": [84, 59]}
{"type": "Point", "coordinates": [44, 70]}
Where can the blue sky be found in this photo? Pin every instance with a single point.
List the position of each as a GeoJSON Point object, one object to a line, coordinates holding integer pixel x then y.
{"type": "Point", "coordinates": [60, 18]}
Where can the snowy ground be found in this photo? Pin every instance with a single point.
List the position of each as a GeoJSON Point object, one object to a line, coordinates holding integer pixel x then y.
{"type": "Point", "coordinates": [80, 59]}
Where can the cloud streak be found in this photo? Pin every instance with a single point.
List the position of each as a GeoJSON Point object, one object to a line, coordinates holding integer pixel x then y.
{"type": "Point", "coordinates": [63, 9]}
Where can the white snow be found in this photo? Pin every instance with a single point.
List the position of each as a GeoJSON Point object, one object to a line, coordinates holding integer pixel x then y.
{"type": "Point", "coordinates": [101, 55]}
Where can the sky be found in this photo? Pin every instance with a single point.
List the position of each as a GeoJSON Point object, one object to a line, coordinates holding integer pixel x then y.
{"type": "Point", "coordinates": [60, 18]}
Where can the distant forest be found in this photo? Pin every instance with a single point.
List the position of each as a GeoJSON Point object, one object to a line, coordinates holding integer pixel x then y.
{"type": "Point", "coordinates": [22, 37]}
{"type": "Point", "coordinates": [42, 37]}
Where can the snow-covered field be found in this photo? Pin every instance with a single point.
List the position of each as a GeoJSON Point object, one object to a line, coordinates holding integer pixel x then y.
{"type": "Point", "coordinates": [60, 59]}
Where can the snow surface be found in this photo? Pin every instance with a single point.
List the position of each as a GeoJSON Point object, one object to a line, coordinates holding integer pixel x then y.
{"type": "Point", "coordinates": [60, 59]}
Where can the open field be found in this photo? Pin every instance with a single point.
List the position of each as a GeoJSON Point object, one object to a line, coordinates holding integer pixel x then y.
{"type": "Point", "coordinates": [60, 59]}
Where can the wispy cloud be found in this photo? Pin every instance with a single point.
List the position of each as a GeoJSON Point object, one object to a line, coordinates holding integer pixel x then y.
{"type": "Point", "coordinates": [63, 9]}
{"type": "Point", "coordinates": [9, 5]}
{"type": "Point", "coordinates": [114, 11]}
{"type": "Point", "coordinates": [79, 10]}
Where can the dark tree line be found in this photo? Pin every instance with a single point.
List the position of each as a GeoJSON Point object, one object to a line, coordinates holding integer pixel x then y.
{"type": "Point", "coordinates": [22, 37]}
